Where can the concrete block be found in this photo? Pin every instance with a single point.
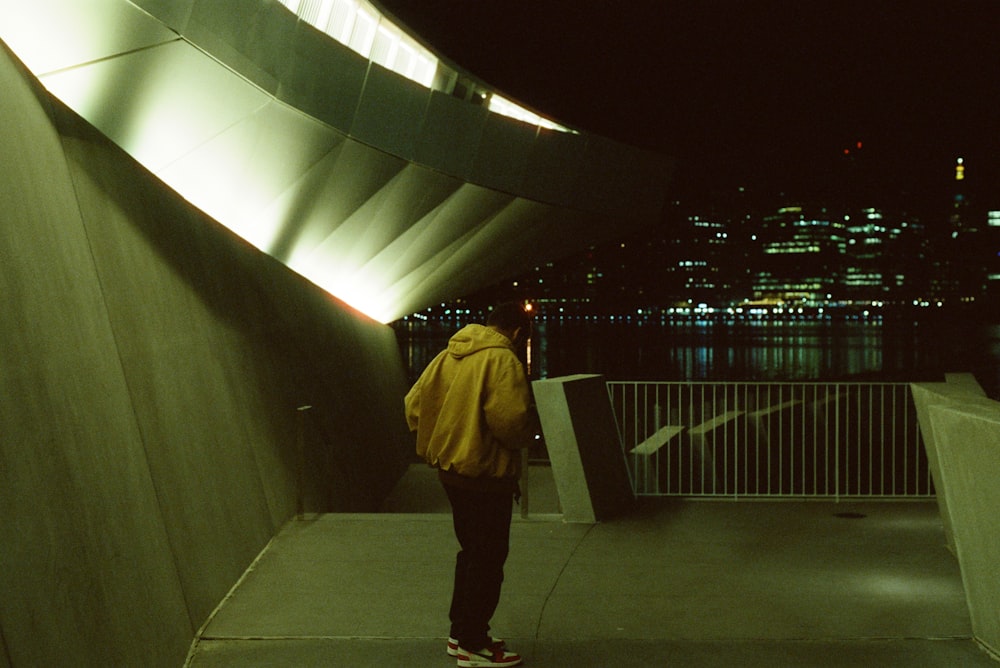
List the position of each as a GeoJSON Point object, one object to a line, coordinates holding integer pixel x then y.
{"type": "Point", "coordinates": [953, 394]}
{"type": "Point", "coordinates": [968, 439]}
{"type": "Point", "coordinates": [582, 440]}
{"type": "Point", "coordinates": [966, 381]}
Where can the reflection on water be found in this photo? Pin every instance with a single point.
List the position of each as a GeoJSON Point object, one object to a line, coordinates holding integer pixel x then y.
{"type": "Point", "coordinates": [760, 351]}
{"type": "Point", "coordinates": [772, 351]}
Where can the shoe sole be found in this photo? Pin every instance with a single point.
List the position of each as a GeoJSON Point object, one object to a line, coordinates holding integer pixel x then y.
{"type": "Point", "coordinates": [466, 662]}
{"type": "Point", "coordinates": [453, 647]}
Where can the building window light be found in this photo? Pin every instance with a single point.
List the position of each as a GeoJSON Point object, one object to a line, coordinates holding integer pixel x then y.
{"type": "Point", "coordinates": [504, 107]}
{"type": "Point", "coordinates": [359, 26]}
{"type": "Point", "coordinates": [363, 34]}
{"type": "Point", "coordinates": [384, 47]}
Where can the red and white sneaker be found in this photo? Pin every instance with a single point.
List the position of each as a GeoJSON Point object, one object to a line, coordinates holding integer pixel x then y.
{"type": "Point", "coordinates": [487, 657]}
{"type": "Point", "coordinates": [495, 643]}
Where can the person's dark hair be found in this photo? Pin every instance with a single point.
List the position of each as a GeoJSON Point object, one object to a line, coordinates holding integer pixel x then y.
{"type": "Point", "coordinates": [509, 316]}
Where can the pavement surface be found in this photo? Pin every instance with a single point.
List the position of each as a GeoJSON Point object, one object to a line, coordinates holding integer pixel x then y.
{"type": "Point", "coordinates": [672, 583]}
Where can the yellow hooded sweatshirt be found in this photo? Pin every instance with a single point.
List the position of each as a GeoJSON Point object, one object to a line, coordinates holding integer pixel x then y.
{"type": "Point", "coordinates": [471, 407]}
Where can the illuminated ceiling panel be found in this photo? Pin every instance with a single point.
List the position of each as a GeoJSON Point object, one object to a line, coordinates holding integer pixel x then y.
{"type": "Point", "coordinates": [329, 193]}
{"type": "Point", "coordinates": [51, 35]}
{"type": "Point", "coordinates": [253, 167]}
{"type": "Point", "coordinates": [159, 103]}
{"type": "Point", "coordinates": [383, 231]}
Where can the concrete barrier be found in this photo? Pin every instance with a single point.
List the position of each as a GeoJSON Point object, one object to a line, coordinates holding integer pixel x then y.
{"type": "Point", "coordinates": [583, 445]}
{"type": "Point", "coordinates": [966, 381]}
{"type": "Point", "coordinates": [950, 393]}
{"type": "Point", "coordinates": [962, 434]}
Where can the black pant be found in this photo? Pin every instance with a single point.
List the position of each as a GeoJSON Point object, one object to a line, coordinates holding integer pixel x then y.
{"type": "Point", "coordinates": [482, 526]}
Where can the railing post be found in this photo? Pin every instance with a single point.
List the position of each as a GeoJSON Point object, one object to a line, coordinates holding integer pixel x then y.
{"type": "Point", "coordinates": [300, 444]}
{"type": "Point", "coordinates": [525, 484]}
{"type": "Point", "coordinates": [858, 439]}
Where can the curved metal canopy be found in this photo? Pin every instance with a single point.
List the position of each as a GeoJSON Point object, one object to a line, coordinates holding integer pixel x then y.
{"type": "Point", "coordinates": [389, 194]}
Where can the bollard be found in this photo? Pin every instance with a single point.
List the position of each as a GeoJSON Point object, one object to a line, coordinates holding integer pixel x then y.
{"type": "Point", "coordinates": [300, 440]}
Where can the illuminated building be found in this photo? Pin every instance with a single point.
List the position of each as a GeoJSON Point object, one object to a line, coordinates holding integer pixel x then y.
{"type": "Point", "coordinates": [801, 256]}
{"type": "Point", "coordinates": [991, 246]}
{"type": "Point", "coordinates": [875, 269]}
{"type": "Point", "coordinates": [701, 266]}
{"type": "Point", "coordinates": [963, 254]}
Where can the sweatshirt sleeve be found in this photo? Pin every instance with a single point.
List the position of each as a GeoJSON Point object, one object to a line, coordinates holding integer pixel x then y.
{"type": "Point", "coordinates": [411, 404]}
{"type": "Point", "coordinates": [508, 408]}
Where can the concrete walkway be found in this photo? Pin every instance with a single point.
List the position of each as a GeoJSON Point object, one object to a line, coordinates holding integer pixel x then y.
{"type": "Point", "coordinates": [678, 583]}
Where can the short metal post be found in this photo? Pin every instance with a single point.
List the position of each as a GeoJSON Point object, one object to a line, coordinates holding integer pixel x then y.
{"type": "Point", "coordinates": [301, 448]}
{"type": "Point", "coordinates": [525, 487]}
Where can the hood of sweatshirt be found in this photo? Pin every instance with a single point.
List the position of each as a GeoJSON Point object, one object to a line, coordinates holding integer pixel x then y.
{"type": "Point", "coordinates": [473, 338]}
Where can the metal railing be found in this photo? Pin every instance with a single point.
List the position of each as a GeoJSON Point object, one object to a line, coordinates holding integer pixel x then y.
{"type": "Point", "coordinates": [825, 440]}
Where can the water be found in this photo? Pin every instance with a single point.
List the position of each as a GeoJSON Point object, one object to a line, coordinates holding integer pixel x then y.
{"type": "Point", "coordinates": [889, 350]}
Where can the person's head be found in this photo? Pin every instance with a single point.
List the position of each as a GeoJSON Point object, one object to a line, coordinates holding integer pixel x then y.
{"type": "Point", "coordinates": [511, 320]}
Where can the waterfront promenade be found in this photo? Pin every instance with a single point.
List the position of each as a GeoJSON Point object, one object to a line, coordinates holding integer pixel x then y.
{"type": "Point", "coordinates": [672, 583]}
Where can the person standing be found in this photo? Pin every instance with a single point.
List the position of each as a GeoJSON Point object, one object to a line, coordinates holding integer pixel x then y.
{"type": "Point", "coordinates": [472, 411]}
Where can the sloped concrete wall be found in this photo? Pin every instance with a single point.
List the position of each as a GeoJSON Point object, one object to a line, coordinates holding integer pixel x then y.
{"type": "Point", "coordinates": [962, 428]}
{"type": "Point", "coordinates": [151, 365]}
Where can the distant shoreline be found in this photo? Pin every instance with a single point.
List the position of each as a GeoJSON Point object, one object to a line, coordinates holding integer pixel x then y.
{"type": "Point", "coordinates": [743, 314]}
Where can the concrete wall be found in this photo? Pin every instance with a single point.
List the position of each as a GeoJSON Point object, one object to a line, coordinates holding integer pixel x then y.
{"type": "Point", "coordinates": [151, 365]}
{"type": "Point", "coordinates": [961, 429]}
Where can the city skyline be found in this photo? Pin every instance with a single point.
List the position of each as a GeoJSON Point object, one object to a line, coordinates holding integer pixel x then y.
{"type": "Point", "coordinates": [763, 95]}
{"type": "Point", "coordinates": [740, 259]}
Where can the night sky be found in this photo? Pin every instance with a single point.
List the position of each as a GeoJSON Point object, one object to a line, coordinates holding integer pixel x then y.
{"type": "Point", "coordinates": [766, 95]}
